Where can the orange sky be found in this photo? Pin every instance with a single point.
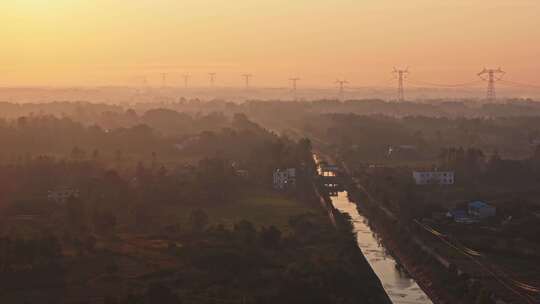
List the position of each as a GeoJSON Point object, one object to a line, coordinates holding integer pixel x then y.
{"type": "Point", "coordinates": [115, 42]}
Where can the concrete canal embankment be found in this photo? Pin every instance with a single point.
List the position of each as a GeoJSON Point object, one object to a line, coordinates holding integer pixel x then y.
{"type": "Point", "coordinates": [397, 284]}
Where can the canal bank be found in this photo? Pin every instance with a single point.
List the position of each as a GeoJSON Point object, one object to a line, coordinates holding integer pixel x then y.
{"type": "Point", "coordinates": [400, 287]}
{"type": "Point", "coordinates": [345, 228]}
{"type": "Point", "coordinates": [439, 279]}
{"type": "Point", "coordinates": [407, 251]}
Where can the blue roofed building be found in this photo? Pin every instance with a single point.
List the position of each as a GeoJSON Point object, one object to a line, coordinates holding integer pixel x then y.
{"type": "Point", "coordinates": [481, 210]}
{"type": "Point", "coordinates": [461, 216]}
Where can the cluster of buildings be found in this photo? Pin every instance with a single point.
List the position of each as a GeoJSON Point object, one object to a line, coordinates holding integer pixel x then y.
{"type": "Point", "coordinates": [474, 211]}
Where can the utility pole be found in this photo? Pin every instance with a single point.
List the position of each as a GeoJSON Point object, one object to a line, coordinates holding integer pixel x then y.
{"type": "Point", "coordinates": [341, 84]}
{"type": "Point", "coordinates": [294, 86]}
{"type": "Point", "coordinates": [212, 78]}
{"type": "Point", "coordinates": [491, 76]}
{"type": "Point", "coordinates": [247, 78]}
{"type": "Point", "coordinates": [401, 75]}
{"type": "Point", "coordinates": [186, 80]}
{"type": "Point", "coordinates": [164, 79]}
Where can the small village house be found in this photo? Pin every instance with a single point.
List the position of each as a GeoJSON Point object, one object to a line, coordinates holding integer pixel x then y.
{"type": "Point", "coordinates": [433, 177]}
{"type": "Point", "coordinates": [61, 196]}
{"type": "Point", "coordinates": [284, 178]}
{"type": "Point", "coordinates": [481, 210]}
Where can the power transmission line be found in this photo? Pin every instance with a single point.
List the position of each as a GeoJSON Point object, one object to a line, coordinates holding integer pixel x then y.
{"type": "Point", "coordinates": [186, 80]}
{"type": "Point", "coordinates": [509, 286]}
{"type": "Point", "coordinates": [164, 79]}
{"type": "Point", "coordinates": [491, 76]}
{"type": "Point", "coordinates": [247, 78]}
{"type": "Point", "coordinates": [442, 85]}
{"type": "Point", "coordinates": [145, 81]}
{"type": "Point", "coordinates": [401, 75]}
{"type": "Point", "coordinates": [294, 83]}
{"type": "Point", "coordinates": [520, 84]}
{"type": "Point", "coordinates": [212, 78]}
{"type": "Point", "coordinates": [294, 86]}
{"type": "Point", "coordinates": [341, 84]}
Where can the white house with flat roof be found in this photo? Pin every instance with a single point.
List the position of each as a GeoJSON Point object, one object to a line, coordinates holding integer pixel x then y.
{"type": "Point", "coordinates": [62, 195]}
{"type": "Point", "coordinates": [284, 178]}
{"type": "Point", "coordinates": [433, 177]}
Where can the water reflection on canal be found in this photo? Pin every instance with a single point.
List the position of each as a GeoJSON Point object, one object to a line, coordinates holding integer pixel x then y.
{"type": "Point", "coordinates": [398, 285]}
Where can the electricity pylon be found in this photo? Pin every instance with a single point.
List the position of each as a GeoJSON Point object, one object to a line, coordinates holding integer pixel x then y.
{"type": "Point", "coordinates": [491, 76]}
{"type": "Point", "coordinates": [247, 77]}
{"type": "Point", "coordinates": [212, 78]}
{"type": "Point", "coordinates": [401, 76]}
{"type": "Point", "coordinates": [294, 86]}
{"type": "Point", "coordinates": [164, 79]}
{"type": "Point", "coordinates": [186, 80]}
{"type": "Point", "coordinates": [341, 84]}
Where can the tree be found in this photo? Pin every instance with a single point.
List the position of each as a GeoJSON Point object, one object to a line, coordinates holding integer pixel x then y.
{"type": "Point", "coordinates": [245, 231]}
{"type": "Point", "coordinates": [484, 297]}
{"type": "Point", "coordinates": [159, 293]}
{"type": "Point", "coordinates": [95, 154]}
{"type": "Point", "coordinates": [112, 268]}
{"type": "Point", "coordinates": [198, 220]}
{"type": "Point", "coordinates": [90, 243]}
{"type": "Point", "coordinates": [105, 222]}
{"type": "Point", "coordinates": [270, 237]}
{"type": "Point", "coordinates": [110, 300]}
{"type": "Point", "coordinates": [76, 214]}
{"type": "Point", "coordinates": [118, 155]}
{"type": "Point", "coordinates": [77, 153]}
{"type": "Point", "coordinates": [535, 159]}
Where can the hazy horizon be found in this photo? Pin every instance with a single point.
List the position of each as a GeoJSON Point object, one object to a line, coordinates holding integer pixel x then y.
{"type": "Point", "coordinates": [120, 95]}
{"type": "Point", "coordinates": [94, 43]}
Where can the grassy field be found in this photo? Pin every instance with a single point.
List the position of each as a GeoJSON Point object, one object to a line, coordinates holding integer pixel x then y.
{"type": "Point", "coordinates": [260, 208]}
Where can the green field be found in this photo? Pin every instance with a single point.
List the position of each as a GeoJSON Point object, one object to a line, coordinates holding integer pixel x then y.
{"type": "Point", "coordinates": [262, 209]}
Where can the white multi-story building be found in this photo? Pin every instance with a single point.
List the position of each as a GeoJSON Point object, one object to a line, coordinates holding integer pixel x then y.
{"type": "Point", "coordinates": [284, 178]}
{"type": "Point", "coordinates": [62, 196]}
{"type": "Point", "coordinates": [433, 177]}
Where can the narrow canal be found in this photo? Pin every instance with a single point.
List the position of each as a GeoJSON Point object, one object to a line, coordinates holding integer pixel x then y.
{"type": "Point", "coordinates": [400, 287]}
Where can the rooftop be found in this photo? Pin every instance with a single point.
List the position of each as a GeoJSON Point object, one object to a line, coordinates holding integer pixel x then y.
{"type": "Point", "coordinates": [478, 204]}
